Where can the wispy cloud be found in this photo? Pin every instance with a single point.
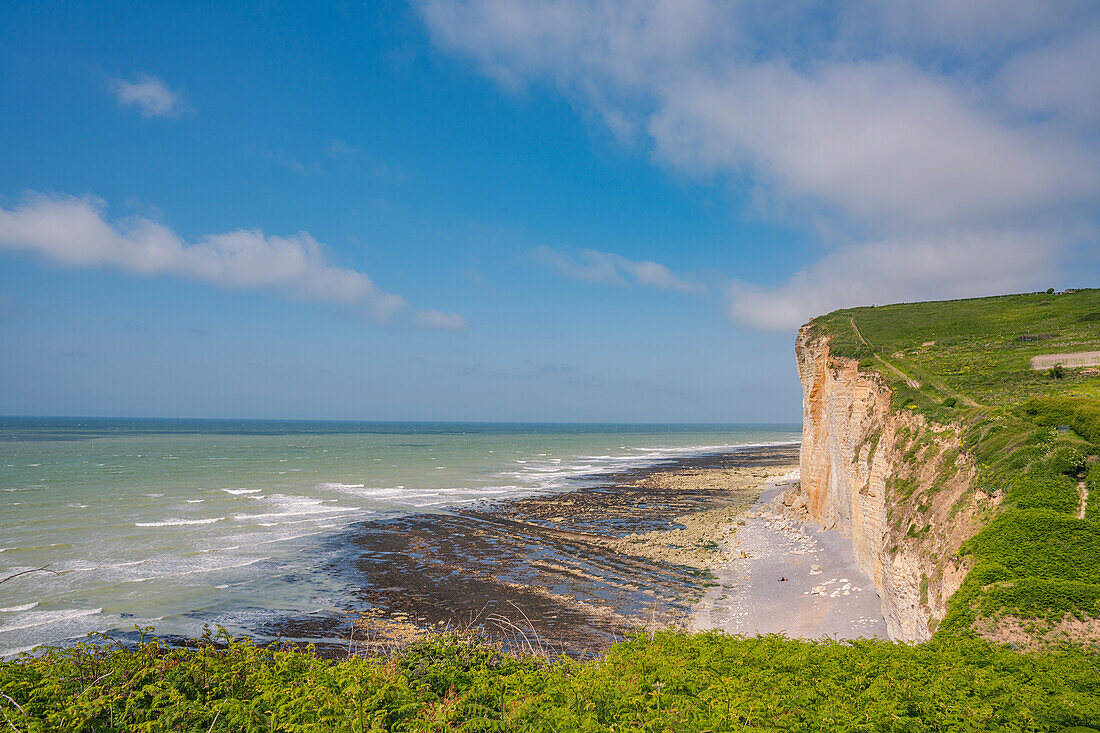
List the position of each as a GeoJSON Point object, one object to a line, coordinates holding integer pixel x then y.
{"type": "Point", "coordinates": [149, 94]}
{"type": "Point", "coordinates": [336, 155]}
{"type": "Point", "coordinates": [873, 126]}
{"type": "Point", "coordinates": [74, 232]}
{"type": "Point", "coordinates": [338, 148]}
{"type": "Point", "coordinates": [312, 168]}
{"type": "Point", "coordinates": [612, 269]}
{"type": "Point", "coordinates": [440, 320]}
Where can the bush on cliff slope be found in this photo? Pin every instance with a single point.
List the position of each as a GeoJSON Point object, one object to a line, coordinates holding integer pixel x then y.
{"type": "Point", "coordinates": [672, 681]}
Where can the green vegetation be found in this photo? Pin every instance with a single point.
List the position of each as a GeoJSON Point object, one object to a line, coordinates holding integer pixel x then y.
{"type": "Point", "coordinates": [667, 682]}
{"type": "Point", "coordinates": [978, 351]}
{"type": "Point", "coordinates": [1092, 483]}
{"type": "Point", "coordinates": [967, 363]}
{"type": "Point", "coordinates": [960, 364]}
{"type": "Point", "coordinates": [1081, 415]}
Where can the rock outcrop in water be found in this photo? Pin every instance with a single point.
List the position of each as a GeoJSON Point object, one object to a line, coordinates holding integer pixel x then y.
{"type": "Point", "coordinates": [894, 484]}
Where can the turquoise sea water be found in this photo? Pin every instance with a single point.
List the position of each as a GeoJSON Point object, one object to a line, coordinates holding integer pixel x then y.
{"type": "Point", "coordinates": [177, 523]}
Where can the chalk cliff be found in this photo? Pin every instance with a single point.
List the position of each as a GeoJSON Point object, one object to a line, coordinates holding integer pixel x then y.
{"type": "Point", "coordinates": [896, 485]}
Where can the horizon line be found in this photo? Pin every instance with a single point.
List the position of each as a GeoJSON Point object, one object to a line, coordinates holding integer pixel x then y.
{"type": "Point", "coordinates": [406, 421]}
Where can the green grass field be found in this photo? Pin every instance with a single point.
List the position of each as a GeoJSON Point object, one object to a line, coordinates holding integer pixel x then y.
{"type": "Point", "coordinates": [1033, 436]}
{"type": "Point", "coordinates": [977, 350]}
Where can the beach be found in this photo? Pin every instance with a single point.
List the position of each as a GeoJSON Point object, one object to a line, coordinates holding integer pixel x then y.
{"type": "Point", "coordinates": [777, 574]}
{"type": "Point", "coordinates": [577, 570]}
{"type": "Point", "coordinates": [690, 543]}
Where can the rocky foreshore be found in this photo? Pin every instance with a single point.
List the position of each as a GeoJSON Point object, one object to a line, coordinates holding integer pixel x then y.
{"type": "Point", "coordinates": [572, 571]}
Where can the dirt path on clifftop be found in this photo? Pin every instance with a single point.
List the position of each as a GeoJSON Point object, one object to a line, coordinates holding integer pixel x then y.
{"type": "Point", "coordinates": [912, 382]}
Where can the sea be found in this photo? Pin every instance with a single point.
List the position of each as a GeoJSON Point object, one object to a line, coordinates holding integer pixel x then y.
{"type": "Point", "coordinates": [181, 524]}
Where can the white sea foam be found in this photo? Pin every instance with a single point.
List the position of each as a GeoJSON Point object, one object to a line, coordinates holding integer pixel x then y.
{"type": "Point", "coordinates": [15, 609]}
{"type": "Point", "coordinates": [294, 506]}
{"type": "Point", "coordinates": [237, 492]}
{"type": "Point", "coordinates": [178, 522]}
{"type": "Point", "coordinates": [117, 565]}
{"type": "Point", "coordinates": [42, 618]}
{"type": "Point", "coordinates": [376, 493]}
{"type": "Point", "coordinates": [194, 501]}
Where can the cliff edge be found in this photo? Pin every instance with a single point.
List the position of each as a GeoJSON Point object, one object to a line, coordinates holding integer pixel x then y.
{"type": "Point", "coordinates": [896, 485]}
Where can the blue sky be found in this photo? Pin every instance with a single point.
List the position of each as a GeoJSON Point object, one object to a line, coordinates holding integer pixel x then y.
{"type": "Point", "coordinates": [580, 210]}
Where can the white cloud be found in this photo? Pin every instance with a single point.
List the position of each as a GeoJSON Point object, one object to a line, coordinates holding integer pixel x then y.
{"type": "Point", "coordinates": [612, 269]}
{"type": "Point", "coordinates": [73, 231]}
{"type": "Point", "coordinates": [440, 320]}
{"type": "Point", "coordinates": [969, 29]}
{"type": "Point", "coordinates": [149, 94]}
{"type": "Point", "coordinates": [312, 168]}
{"type": "Point", "coordinates": [881, 272]}
{"type": "Point", "coordinates": [337, 148]}
{"type": "Point", "coordinates": [882, 143]}
{"type": "Point", "coordinates": [877, 123]}
{"type": "Point", "coordinates": [1061, 78]}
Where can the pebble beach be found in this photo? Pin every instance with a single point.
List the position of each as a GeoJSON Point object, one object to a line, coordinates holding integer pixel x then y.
{"type": "Point", "coordinates": [777, 574]}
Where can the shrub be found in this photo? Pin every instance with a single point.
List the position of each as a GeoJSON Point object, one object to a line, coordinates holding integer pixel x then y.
{"type": "Point", "coordinates": [1079, 412]}
{"type": "Point", "coordinates": [667, 681]}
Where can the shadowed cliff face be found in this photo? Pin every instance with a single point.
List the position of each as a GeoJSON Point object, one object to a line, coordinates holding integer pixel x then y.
{"type": "Point", "coordinates": [896, 486]}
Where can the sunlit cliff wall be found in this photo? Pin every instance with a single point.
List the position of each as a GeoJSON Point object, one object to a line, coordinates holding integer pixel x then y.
{"type": "Point", "coordinates": [895, 485]}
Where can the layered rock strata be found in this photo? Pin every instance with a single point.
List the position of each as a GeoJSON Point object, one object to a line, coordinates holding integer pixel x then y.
{"type": "Point", "coordinates": [897, 486]}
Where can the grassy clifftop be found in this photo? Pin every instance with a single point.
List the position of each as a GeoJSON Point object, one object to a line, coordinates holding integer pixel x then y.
{"type": "Point", "coordinates": [978, 347]}
{"type": "Point", "coordinates": [1034, 433]}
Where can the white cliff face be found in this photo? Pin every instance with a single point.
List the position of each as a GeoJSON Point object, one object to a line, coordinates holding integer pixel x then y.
{"type": "Point", "coordinates": [896, 486]}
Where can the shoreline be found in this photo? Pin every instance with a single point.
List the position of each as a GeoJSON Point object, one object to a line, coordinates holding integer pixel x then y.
{"type": "Point", "coordinates": [686, 543]}
{"type": "Point", "coordinates": [694, 543]}
{"type": "Point", "coordinates": [578, 569]}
